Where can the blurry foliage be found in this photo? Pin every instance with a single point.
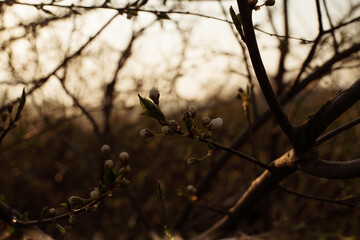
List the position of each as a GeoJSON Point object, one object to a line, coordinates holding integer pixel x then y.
{"type": "Point", "coordinates": [45, 170]}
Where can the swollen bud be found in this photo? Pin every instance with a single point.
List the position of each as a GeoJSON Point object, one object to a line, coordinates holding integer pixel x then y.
{"type": "Point", "coordinates": [108, 164]}
{"type": "Point", "coordinates": [206, 134]}
{"type": "Point", "coordinates": [52, 212]}
{"type": "Point", "coordinates": [154, 95]}
{"type": "Point", "coordinates": [215, 124]}
{"type": "Point", "coordinates": [205, 121]}
{"type": "Point", "coordinates": [76, 202]}
{"type": "Point", "coordinates": [192, 161]}
{"type": "Point", "coordinates": [193, 111]}
{"type": "Point", "coordinates": [124, 158]}
{"type": "Point", "coordinates": [167, 130]}
{"type": "Point", "coordinates": [106, 151]}
{"type": "Point", "coordinates": [95, 194]}
{"type": "Point", "coordinates": [191, 190]}
{"type": "Point", "coordinates": [146, 133]}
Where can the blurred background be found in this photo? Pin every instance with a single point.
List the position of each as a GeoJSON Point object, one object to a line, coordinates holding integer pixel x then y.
{"type": "Point", "coordinates": [82, 64]}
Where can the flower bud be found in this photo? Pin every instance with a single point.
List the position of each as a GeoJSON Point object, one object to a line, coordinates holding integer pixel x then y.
{"type": "Point", "coordinates": [76, 202]}
{"type": "Point", "coordinates": [173, 124]}
{"type": "Point", "coordinates": [192, 161]}
{"type": "Point", "coordinates": [205, 121]}
{"type": "Point", "coordinates": [124, 182]}
{"type": "Point", "coordinates": [206, 134]}
{"type": "Point", "coordinates": [52, 212]}
{"type": "Point", "coordinates": [106, 151]}
{"type": "Point", "coordinates": [124, 170]}
{"type": "Point", "coordinates": [154, 95]}
{"type": "Point", "coordinates": [95, 194]}
{"type": "Point", "coordinates": [146, 133]}
{"type": "Point", "coordinates": [193, 111]}
{"type": "Point", "coordinates": [191, 190]}
{"type": "Point", "coordinates": [72, 220]}
{"type": "Point", "coordinates": [215, 124]}
{"type": "Point", "coordinates": [167, 130]}
{"type": "Point", "coordinates": [108, 164]}
{"type": "Point", "coordinates": [124, 158]}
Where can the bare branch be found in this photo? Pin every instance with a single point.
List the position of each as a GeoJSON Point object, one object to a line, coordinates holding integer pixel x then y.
{"type": "Point", "coordinates": [328, 113]}
{"type": "Point", "coordinates": [251, 42]}
{"type": "Point", "coordinates": [330, 169]}
{"type": "Point", "coordinates": [336, 131]}
{"type": "Point", "coordinates": [317, 198]}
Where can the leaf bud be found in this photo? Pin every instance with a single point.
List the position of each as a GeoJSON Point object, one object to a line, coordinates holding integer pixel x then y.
{"type": "Point", "coordinates": [154, 95]}
{"type": "Point", "coordinates": [76, 202]}
{"type": "Point", "coordinates": [72, 220]}
{"type": "Point", "coordinates": [146, 133]}
{"type": "Point", "coordinates": [206, 134]}
{"type": "Point", "coordinates": [124, 182]}
{"type": "Point", "coordinates": [95, 194]}
{"type": "Point", "coordinates": [192, 161]}
{"type": "Point", "coordinates": [106, 151]}
{"type": "Point", "coordinates": [215, 124]}
{"type": "Point", "coordinates": [167, 130]}
{"type": "Point", "coordinates": [124, 158]}
{"type": "Point", "coordinates": [124, 170]}
{"type": "Point", "coordinates": [191, 189]}
{"type": "Point", "coordinates": [205, 121]}
{"type": "Point", "coordinates": [193, 111]}
{"type": "Point", "coordinates": [108, 164]}
{"type": "Point", "coordinates": [52, 212]}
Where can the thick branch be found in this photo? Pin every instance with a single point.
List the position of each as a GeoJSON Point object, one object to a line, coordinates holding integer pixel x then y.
{"type": "Point", "coordinates": [328, 113]}
{"type": "Point", "coordinates": [331, 169]}
{"type": "Point", "coordinates": [281, 168]}
{"type": "Point", "coordinates": [250, 40]}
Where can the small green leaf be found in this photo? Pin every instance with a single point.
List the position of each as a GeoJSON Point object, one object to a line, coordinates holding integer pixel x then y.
{"type": "Point", "coordinates": [151, 110]}
{"type": "Point", "coordinates": [60, 229]}
{"type": "Point", "coordinates": [24, 217]}
{"type": "Point", "coordinates": [44, 212]}
{"type": "Point", "coordinates": [102, 188]}
{"type": "Point", "coordinates": [237, 21]}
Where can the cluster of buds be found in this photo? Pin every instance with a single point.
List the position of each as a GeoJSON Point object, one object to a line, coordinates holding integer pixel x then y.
{"type": "Point", "coordinates": [114, 175]}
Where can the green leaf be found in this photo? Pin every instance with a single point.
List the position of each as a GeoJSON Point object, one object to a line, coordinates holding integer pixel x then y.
{"type": "Point", "coordinates": [151, 110]}
{"type": "Point", "coordinates": [44, 212]}
{"type": "Point", "coordinates": [109, 176]}
{"type": "Point", "coordinates": [21, 101]}
{"type": "Point", "coordinates": [237, 21]}
{"type": "Point", "coordinates": [60, 229]}
{"type": "Point", "coordinates": [24, 217]}
{"type": "Point", "coordinates": [102, 188]}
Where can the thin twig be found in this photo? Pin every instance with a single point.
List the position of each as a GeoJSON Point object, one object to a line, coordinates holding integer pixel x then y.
{"type": "Point", "coordinates": [336, 131]}
{"type": "Point", "coordinates": [156, 12]}
{"type": "Point", "coordinates": [317, 198]}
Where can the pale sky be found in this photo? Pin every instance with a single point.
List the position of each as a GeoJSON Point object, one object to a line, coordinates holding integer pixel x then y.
{"type": "Point", "coordinates": [156, 53]}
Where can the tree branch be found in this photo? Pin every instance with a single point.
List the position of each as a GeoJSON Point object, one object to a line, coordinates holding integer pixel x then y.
{"type": "Point", "coordinates": [250, 40]}
{"type": "Point", "coordinates": [330, 169]}
{"type": "Point", "coordinates": [329, 112]}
